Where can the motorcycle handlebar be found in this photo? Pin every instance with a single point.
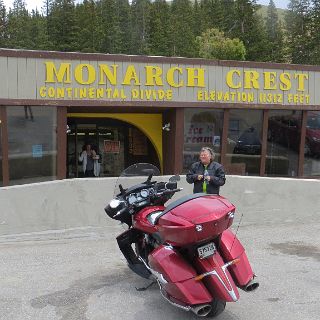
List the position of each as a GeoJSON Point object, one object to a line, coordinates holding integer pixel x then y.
{"type": "Point", "coordinates": [168, 191]}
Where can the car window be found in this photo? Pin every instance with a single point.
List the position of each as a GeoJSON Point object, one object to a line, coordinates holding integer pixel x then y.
{"type": "Point", "coordinates": [313, 122]}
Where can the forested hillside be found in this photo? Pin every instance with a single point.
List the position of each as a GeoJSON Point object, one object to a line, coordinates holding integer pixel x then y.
{"type": "Point", "coordinates": [218, 29]}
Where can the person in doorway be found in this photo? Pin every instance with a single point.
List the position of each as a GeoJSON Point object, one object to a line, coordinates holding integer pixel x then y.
{"type": "Point", "coordinates": [90, 161]}
{"type": "Point", "coordinates": [206, 174]}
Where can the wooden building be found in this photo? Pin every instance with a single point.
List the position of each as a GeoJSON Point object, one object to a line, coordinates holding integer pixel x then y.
{"type": "Point", "coordinates": [261, 119]}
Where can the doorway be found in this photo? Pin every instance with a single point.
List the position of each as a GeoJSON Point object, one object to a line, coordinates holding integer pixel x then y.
{"type": "Point", "coordinates": [118, 144]}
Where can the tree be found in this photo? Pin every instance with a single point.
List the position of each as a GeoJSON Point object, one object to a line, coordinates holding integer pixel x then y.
{"type": "Point", "coordinates": [158, 28]}
{"type": "Point", "coordinates": [88, 29]}
{"type": "Point", "coordinates": [38, 30]}
{"type": "Point", "coordinates": [274, 35]}
{"type": "Point", "coordinates": [298, 25]}
{"type": "Point", "coordinates": [3, 25]}
{"type": "Point", "coordinates": [61, 25]}
{"type": "Point", "coordinates": [250, 30]}
{"type": "Point", "coordinates": [182, 39]}
{"type": "Point", "coordinates": [214, 45]}
{"type": "Point", "coordinates": [140, 16]}
{"type": "Point", "coordinates": [118, 36]}
{"type": "Point", "coordinates": [315, 32]}
{"type": "Point", "coordinates": [18, 26]}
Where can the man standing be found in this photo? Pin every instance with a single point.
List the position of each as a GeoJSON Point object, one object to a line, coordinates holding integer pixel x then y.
{"type": "Point", "coordinates": [206, 174]}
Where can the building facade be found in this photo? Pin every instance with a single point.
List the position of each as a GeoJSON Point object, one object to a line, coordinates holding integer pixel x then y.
{"type": "Point", "coordinates": [261, 119]}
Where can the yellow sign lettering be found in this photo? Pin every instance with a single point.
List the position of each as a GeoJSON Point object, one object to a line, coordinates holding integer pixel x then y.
{"type": "Point", "coordinates": [105, 72]}
{"type": "Point", "coordinates": [270, 80]}
{"type": "Point", "coordinates": [131, 75]}
{"type": "Point", "coordinates": [229, 79]}
{"type": "Point", "coordinates": [61, 75]}
{"type": "Point", "coordinates": [251, 80]}
{"type": "Point", "coordinates": [199, 77]}
{"type": "Point", "coordinates": [90, 73]}
{"type": "Point", "coordinates": [301, 77]}
{"type": "Point", "coordinates": [170, 77]}
{"type": "Point", "coordinates": [153, 76]}
{"type": "Point", "coordinates": [285, 81]}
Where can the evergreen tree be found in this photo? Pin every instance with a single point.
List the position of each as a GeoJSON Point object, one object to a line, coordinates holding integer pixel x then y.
{"type": "Point", "coordinates": [250, 29]}
{"type": "Point", "coordinates": [122, 28]}
{"type": "Point", "coordinates": [274, 35]}
{"type": "Point", "coordinates": [62, 29]}
{"type": "Point", "coordinates": [158, 28]}
{"type": "Point", "coordinates": [3, 25]}
{"type": "Point", "coordinates": [140, 17]}
{"type": "Point", "coordinates": [211, 14]}
{"type": "Point", "coordinates": [38, 30]}
{"type": "Point", "coordinates": [315, 33]}
{"type": "Point", "coordinates": [228, 12]}
{"type": "Point", "coordinates": [106, 20]}
{"type": "Point", "coordinates": [18, 27]}
{"type": "Point", "coordinates": [182, 39]}
{"type": "Point", "coordinates": [298, 25]}
{"type": "Point", "coordinates": [89, 33]}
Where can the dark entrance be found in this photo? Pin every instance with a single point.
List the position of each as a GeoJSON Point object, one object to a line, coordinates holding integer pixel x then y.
{"type": "Point", "coordinates": [117, 143]}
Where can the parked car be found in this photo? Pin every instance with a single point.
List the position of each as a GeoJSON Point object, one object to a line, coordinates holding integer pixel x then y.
{"type": "Point", "coordinates": [248, 142]}
{"type": "Point", "coordinates": [286, 130]}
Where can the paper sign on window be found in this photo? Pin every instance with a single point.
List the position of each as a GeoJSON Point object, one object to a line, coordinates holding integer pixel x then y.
{"type": "Point", "coordinates": [111, 146]}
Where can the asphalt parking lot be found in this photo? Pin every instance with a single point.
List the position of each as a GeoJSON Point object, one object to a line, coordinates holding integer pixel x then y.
{"type": "Point", "coordinates": [79, 274]}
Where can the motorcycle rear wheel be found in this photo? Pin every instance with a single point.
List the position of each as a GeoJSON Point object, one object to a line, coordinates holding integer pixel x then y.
{"type": "Point", "coordinates": [217, 307]}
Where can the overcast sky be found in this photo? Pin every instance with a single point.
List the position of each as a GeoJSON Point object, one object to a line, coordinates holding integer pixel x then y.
{"type": "Point", "coordinates": [32, 4]}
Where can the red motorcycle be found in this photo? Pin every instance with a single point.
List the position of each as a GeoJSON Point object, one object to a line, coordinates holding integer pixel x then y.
{"type": "Point", "coordinates": [186, 247]}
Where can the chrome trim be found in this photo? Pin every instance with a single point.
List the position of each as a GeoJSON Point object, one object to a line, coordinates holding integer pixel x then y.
{"type": "Point", "coordinates": [159, 277]}
{"type": "Point", "coordinates": [153, 216]}
{"type": "Point", "coordinates": [250, 286]}
{"type": "Point", "coordinates": [197, 309]}
{"type": "Point", "coordinates": [231, 214]}
{"type": "Point", "coordinates": [231, 292]}
{"type": "Point", "coordinates": [185, 308]}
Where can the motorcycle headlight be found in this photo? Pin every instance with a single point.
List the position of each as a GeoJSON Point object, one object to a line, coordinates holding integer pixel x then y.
{"type": "Point", "coordinates": [113, 207]}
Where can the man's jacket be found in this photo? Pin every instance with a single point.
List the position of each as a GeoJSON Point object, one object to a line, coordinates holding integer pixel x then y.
{"type": "Point", "coordinates": [216, 173]}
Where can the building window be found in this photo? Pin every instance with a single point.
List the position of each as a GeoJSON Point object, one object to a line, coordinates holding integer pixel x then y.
{"type": "Point", "coordinates": [284, 131]}
{"type": "Point", "coordinates": [202, 127]}
{"type": "Point", "coordinates": [32, 135]}
{"type": "Point", "coordinates": [312, 145]}
{"type": "Point", "coordinates": [244, 142]}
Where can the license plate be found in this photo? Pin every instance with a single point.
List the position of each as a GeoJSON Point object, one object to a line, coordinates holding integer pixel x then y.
{"type": "Point", "coordinates": [207, 250]}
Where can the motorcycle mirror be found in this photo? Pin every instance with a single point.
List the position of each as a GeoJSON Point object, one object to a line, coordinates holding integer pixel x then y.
{"type": "Point", "coordinates": [122, 191]}
{"type": "Point", "coordinates": [150, 174]}
{"type": "Point", "coordinates": [175, 178]}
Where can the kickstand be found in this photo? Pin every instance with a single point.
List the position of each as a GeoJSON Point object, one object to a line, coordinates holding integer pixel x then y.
{"type": "Point", "coordinates": [145, 288]}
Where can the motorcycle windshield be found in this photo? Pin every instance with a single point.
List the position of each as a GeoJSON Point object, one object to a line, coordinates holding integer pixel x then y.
{"type": "Point", "coordinates": [135, 174]}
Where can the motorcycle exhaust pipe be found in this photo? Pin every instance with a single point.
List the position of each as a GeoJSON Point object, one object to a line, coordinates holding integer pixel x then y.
{"type": "Point", "coordinates": [202, 310]}
{"type": "Point", "coordinates": [250, 286]}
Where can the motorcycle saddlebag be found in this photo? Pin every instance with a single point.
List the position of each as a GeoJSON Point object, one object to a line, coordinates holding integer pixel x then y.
{"type": "Point", "coordinates": [181, 286]}
{"type": "Point", "coordinates": [230, 249]}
